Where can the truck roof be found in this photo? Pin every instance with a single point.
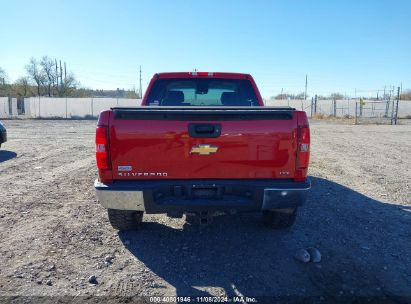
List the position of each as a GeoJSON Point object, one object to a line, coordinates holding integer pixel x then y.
{"type": "Point", "coordinates": [225, 75]}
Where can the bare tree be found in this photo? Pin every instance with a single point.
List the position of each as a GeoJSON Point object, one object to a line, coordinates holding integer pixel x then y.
{"type": "Point", "coordinates": [280, 96]}
{"type": "Point", "coordinates": [4, 87]}
{"type": "Point", "coordinates": [300, 96]}
{"type": "Point", "coordinates": [336, 96]}
{"type": "Point", "coordinates": [22, 86]}
{"type": "Point", "coordinates": [48, 71]}
{"type": "Point", "coordinates": [34, 71]}
{"type": "Point", "coordinates": [70, 84]}
{"type": "Point", "coordinates": [406, 95]}
{"type": "Point", "coordinates": [3, 77]}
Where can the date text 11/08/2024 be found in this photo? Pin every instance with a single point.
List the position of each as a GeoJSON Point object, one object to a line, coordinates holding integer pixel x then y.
{"type": "Point", "coordinates": [223, 299]}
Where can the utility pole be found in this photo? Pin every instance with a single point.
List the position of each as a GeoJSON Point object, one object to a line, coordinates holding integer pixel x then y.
{"type": "Point", "coordinates": [141, 89]}
{"type": "Point", "coordinates": [305, 94]}
{"type": "Point", "coordinates": [65, 73]}
{"type": "Point", "coordinates": [281, 93]}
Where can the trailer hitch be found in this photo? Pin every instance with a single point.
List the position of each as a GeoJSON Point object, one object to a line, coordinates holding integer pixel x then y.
{"type": "Point", "coordinates": [205, 218]}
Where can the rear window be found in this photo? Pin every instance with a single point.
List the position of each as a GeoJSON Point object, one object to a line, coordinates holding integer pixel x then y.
{"type": "Point", "coordinates": [202, 92]}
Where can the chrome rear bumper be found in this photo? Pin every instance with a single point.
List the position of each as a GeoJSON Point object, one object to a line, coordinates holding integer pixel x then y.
{"type": "Point", "coordinates": [168, 196]}
{"type": "Point", "coordinates": [119, 199]}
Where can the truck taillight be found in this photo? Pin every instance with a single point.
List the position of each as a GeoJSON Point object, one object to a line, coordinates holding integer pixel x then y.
{"type": "Point", "coordinates": [102, 157]}
{"type": "Point", "coordinates": [303, 147]}
{"type": "Point", "coordinates": [303, 153]}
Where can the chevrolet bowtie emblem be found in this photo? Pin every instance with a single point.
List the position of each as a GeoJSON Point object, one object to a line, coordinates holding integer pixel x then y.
{"type": "Point", "coordinates": [204, 149]}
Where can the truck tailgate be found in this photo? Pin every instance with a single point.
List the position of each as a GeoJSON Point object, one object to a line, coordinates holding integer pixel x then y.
{"type": "Point", "coordinates": [206, 143]}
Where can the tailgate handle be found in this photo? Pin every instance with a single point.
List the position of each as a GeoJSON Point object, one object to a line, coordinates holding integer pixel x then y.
{"type": "Point", "coordinates": [204, 130]}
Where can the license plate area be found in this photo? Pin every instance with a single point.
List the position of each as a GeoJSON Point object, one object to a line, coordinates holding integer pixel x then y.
{"type": "Point", "coordinates": [191, 193]}
{"type": "Point", "coordinates": [206, 192]}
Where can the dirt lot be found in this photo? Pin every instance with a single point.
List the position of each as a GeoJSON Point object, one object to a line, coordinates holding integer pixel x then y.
{"type": "Point", "coordinates": [54, 235]}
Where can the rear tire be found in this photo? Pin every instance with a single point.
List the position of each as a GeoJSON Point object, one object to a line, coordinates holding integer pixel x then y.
{"type": "Point", "coordinates": [124, 220]}
{"type": "Point", "coordinates": [279, 219]}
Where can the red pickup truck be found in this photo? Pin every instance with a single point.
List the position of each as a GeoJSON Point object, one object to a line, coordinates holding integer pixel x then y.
{"type": "Point", "coordinates": [202, 143]}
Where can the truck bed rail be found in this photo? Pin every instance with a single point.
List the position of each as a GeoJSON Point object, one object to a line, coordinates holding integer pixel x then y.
{"type": "Point", "coordinates": [203, 113]}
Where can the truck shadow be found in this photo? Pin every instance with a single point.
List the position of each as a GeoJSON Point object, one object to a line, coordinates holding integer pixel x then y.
{"type": "Point", "coordinates": [364, 244]}
{"type": "Point", "coordinates": [6, 155]}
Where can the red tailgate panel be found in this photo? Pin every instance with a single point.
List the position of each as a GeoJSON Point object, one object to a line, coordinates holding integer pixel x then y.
{"type": "Point", "coordinates": [160, 149]}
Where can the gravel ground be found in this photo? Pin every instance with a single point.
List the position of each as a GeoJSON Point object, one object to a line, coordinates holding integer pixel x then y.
{"type": "Point", "coordinates": [54, 235]}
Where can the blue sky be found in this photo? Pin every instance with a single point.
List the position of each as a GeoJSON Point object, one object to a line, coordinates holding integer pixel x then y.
{"type": "Point", "coordinates": [341, 45]}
